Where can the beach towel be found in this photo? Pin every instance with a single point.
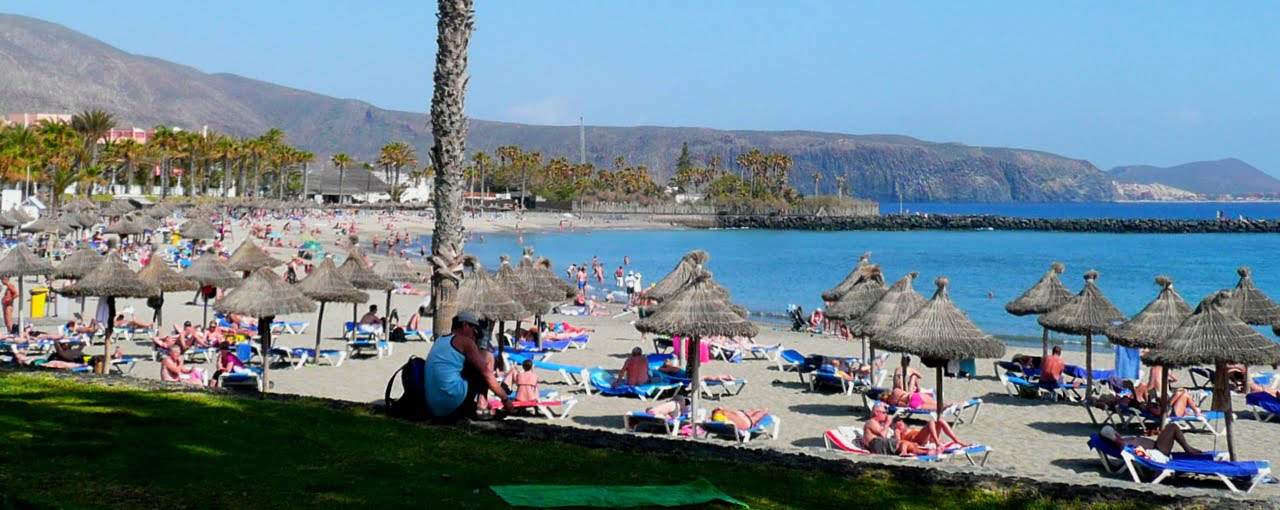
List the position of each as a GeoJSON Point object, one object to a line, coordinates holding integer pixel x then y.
{"type": "Point", "coordinates": [699, 492]}
{"type": "Point", "coordinates": [1128, 363]}
{"type": "Point", "coordinates": [704, 349]}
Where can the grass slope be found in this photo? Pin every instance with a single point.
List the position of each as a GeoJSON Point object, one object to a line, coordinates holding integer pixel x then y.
{"type": "Point", "coordinates": [70, 444]}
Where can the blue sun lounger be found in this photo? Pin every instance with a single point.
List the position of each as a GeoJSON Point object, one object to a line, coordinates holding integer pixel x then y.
{"type": "Point", "coordinates": [1058, 391]}
{"type": "Point", "coordinates": [769, 425]}
{"type": "Point", "coordinates": [602, 381]}
{"type": "Point", "coordinates": [573, 376]}
{"type": "Point", "coordinates": [1109, 454]}
{"type": "Point", "coordinates": [827, 376]}
{"type": "Point", "coordinates": [1265, 406]}
{"type": "Point", "coordinates": [956, 412]}
{"type": "Point", "coordinates": [636, 420]}
{"type": "Point", "coordinates": [1248, 472]}
{"type": "Point", "coordinates": [547, 346]}
{"type": "Point", "coordinates": [251, 377]}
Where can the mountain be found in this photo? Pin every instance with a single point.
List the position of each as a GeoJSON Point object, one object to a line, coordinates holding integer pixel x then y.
{"type": "Point", "coordinates": [1219, 177]}
{"type": "Point", "coordinates": [48, 68]}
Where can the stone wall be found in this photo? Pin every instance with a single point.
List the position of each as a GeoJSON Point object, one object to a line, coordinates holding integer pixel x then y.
{"type": "Point", "coordinates": [963, 222]}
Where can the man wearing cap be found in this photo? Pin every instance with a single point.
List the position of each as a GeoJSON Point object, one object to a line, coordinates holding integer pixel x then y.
{"type": "Point", "coordinates": [458, 371]}
{"type": "Point", "coordinates": [1160, 449]}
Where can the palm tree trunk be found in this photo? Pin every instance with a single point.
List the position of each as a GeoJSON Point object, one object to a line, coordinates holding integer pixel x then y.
{"type": "Point", "coordinates": [449, 128]}
{"type": "Point", "coordinates": [341, 175]}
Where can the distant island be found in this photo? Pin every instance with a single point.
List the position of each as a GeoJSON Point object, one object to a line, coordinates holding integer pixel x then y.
{"type": "Point", "coordinates": [1223, 180]}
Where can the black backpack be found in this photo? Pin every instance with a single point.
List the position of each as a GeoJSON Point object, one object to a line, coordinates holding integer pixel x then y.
{"type": "Point", "coordinates": [412, 404]}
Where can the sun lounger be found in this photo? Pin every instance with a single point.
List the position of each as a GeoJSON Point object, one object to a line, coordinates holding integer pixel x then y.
{"type": "Point", "coordinates": [1250, 472]}
{"type": "Point", "coordinates": [720, 389]}
{"type": "Point", "coordinates": [578, 342]}
{"type": "Point", "coordinates": [380, 348]}
{"type": "Point", "coordinates": [1265, 406]}
{"type": "Point", "coordinates": [125, 364]}
{"type": "Point", "coordinates": [956, 412]}
{"type": "Point", "coordinates": [544, 406]}
{"type": "Point", "coordinates": [573, 375]}
{"type": "Point", "coordinates": [127, 334]}
{"type": "Point", "coordinates": [602, 382]}
{"type": "Point", "coordinates": [1203, 421]}
{"type": "Point", "coordinates": [289, 327]}
{"type": "Point", "coordinates": [636, 420]}
{"type": "Point", "coordinates": [849, 439]}
{"type": "Point", "coordinates": [827, 376]}
{"type": "Point", "coordinates": [769, 425]}
{"type": "Point", "coordinates": [1012, 383]}
{"type": "Point", "coordinates": [299, 356]}
{"type": "Point", "coordinates": [420, 335]}
{"type": "Point", "coordinates": [252, 376]}
{"type": "Point", "coordinates": [356, 332]}
{"type": "Point", "coordinates": [1112, 460]}
{"type": "Point", "coordinates": [547, 346]}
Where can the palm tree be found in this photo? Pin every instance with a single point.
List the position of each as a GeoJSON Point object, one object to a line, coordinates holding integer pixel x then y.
{"type": "Point", "coordinates": [448, 155]}
{"type": "Point", "coordinates": [165, 141]}
{"type": "Point", "coordinates": [340, 160]}
{"type": "Point", "coordinates": [92, 126]}
{"type": "Point", "coordinates": [817, 177]}
{"type": "Point", "coordinates": [840, 186]}
{"type": "Point", "coordinates": [225, 149]}
{"type": "Point", "coordinates": [482, 163]}
{"type": "Point", "coordinates": [306, 159]}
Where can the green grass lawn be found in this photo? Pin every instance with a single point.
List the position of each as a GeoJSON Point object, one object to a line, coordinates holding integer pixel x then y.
{"type": "Point", "coordinates": [71, 444]}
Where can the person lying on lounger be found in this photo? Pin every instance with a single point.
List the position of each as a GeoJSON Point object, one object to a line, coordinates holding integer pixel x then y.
{"type": "Point", "coordinates": [23, 359]}
{"type": "Point", "coordinates": [1163, 444]}
{"type": "Point", "coordinates": [562, 327]}
{"type": "Point", "coordinates": [1180, 403]}
{"type": "Point", "coordinates": [745, 419]}
{"type": "Point", "coordinates": [930, 434]}
{"type": "Point", "coordinates": [677, 406]}
{"type": "Point", "coordinates": [916, 400]}
{"type": "Point", "coordinates": [849, 371]}
{"type": "Point", "coordinates": [669, 367]}
{"type": "Point", "coordinates": [876, 436]}
{"type": "Point", "coordinates": [1258, 388]}
{"type": "Point", "coordinates": [131, 323]}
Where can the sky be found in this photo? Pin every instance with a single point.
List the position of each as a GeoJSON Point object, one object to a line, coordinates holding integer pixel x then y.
{"type": "Point", "coordinates": [1115, 83]}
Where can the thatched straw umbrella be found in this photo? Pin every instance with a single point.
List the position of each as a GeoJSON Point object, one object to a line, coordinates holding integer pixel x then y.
{"type": "Point", "coordinates": [1150, 327]}
{"type": "Point", "coordinates": [248, 258]}
{"type": "Point", "coordinates": [395, 271]}
{"type": "Point", "coordinates": [842, 288]}
{"type": "Point", "coordinates": [858, 299]}
{"type": "Point", "coordinates": [122, 228]}
{"type": "Point", "coordinates": [209, 271]}
{"type": "Point", "coordinates": [145, 222]}
{"type": "Point", "coordinates": [198, 228]}
{"type": "Point", "coordinates": [679, 277]}
{"type": "Point", "coordinates": [110, 280]}
{"type": "Point", "coordinates": [515, 286]}
{"type": "Point", "coordinates": [940, 332]}
{"type": "Point", "coordinates": [79, 205]}
{"type": "Point", "coordinates": [78, 264]}
{"type": "Point", "coordinates": [696, 312]}
{"type": "Point", "coordinates": [47, 224]}
{"type": "Point", "coordinates": [327, 285]}
{"type": "Point", "coordinates": [21, 262]}
{"type": "Point", "coordinates": [8, 219]}
{"type": "Point", "coordinates": [1251, 304]}
{"type": "Point", "coordinates": [357, 271]}
{"type": "Point", "coordinates": [1041, 298]}
{"type": "Point", "coordinates": [897, 305]}
{"type": "Point", "coordinates": [1088, 313]}
{"type": "Point", "coordinates": [266, 296]}
{"type": "Point", "coordinates": [481, 295]}
{"type": "Point", "coordinates": [1215, 336]}
{"type": "Point", "coordinates": [158, 274]}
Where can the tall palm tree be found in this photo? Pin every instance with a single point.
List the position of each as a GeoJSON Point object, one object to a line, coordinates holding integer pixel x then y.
{"type": "Point", "coordinates": [840, 187]}
{"type": "Point", "coordinates": [817, 177]}
{"type": "Point", "coordinates": [92, 126]}
{"type": "Point", "coordinates": [304, 158]}
{"type": "Point", "coordinates": [165, 141]}
{"type": "Point", "coordinates": [369, 169]}
{"type": "Point", "coordinates": [482, 163]}
{"type": "Point", "coordinates": [340, 160]}
{"type": "Point", "coordinates": [454, 24]}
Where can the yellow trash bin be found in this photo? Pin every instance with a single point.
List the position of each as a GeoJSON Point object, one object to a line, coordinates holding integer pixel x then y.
{"type": "Point", "coordinates": [38, 299]}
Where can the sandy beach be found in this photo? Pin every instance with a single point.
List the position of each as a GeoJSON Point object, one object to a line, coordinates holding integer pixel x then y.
{"type": "Point", "coordinates": [1032, 438]}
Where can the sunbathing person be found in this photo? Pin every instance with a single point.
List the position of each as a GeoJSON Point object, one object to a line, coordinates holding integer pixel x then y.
{"type": "Point", "coordinates": [635, 370]}
{"type": "Point", "coordinates": [906, 378]}
{"type": "Point", "coordinates": [242, 320]}
{"type": "Point", "coordinates": [930, 434]}
{"type": "Point", "coordinates": [561, 327]}
{"type": "Point", "coordinates": [876, 436]}
{"type": "Point", "coordinates": [1051, 369]}
{"type": "Point", "coordinates": [132, 323]}
{"type": "Point", "coordinates": [415, 321]}
{"type": "Point", "coordinates": [916, 400]}
{"type": "Point", "coordinates": [526, 383]}
{"type": "Point", "coordinates": [1258, 388]}
{"type": "Point", "coordinates": [745, 419]}
{"type": "Point", "coordinates": [669, 367]}
{"type": "Point", "coordinates": [23, 359]}
{"type": "Point", "coordinates": [1163, 444]}
{"type": "Point", "coordinates": [677, 406]}
{"type": "Point", "coordinates": [849, 372]}
{"type": "Point", "coordinates": [1180, 404]}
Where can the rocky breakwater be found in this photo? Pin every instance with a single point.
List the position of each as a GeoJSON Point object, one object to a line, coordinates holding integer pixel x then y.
{"type": "Point", "coordinates": [983, 222]}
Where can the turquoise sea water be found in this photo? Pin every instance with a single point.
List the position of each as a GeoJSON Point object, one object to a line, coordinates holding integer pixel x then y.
{"type": "Point", "coordinates": [1181, 211]}
{"type": "Point", "coordinates": [766, 270]}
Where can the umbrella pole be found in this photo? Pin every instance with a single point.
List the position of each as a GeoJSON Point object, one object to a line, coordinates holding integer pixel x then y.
{"type": "Point", "coordinates": [1044, 338]}
{"type": "Point", "coordinates": [1088, 376]}
{"type": "Point", "coordinates": [938, 393]}
{"type": "Point", "coordinates": [1221, 385]}
{"type": "Point", "coordinates": [159, 318]}
{"type": "Point", "coordinates": [1164, 398]}
{"type": "Point", "coordinates": [695, 379]}
{"type": "Point", "coordinates": [354, 313]}
{"type": "Point", "coordinates": [266, 353]}
{"type": "Point", "coordinates": [319, 326]}
{"type": "Point", "coordinates": [206, 309]}
{"type": "Point", "coordinates": [21, 321]}
{"type": "Point", "coordinates": [106, 340]}
{"type": "Point", "coordinates": [386, 315]}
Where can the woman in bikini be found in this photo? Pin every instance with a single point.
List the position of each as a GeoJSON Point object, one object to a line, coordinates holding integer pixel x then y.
{"type": "Point", "coordinates": [745, 419]}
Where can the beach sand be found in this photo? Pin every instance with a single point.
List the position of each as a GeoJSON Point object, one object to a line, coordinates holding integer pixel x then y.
{"type": "Point", "coordinates": [1030, 437]}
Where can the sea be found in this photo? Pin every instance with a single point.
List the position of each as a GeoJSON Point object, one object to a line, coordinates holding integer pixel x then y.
{"type": "Point", "coordinates": [767, 270]}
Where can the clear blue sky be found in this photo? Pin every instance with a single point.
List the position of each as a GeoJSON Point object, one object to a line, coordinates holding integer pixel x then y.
{"type": "Point", "coordinates": [1114, 83]}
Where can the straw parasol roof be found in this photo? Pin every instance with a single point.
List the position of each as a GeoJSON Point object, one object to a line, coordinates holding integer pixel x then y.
{"type": "Point", "coordinates": [198, 228]}
{"type": "Point", "coordinates": [1155, 322]}
{"type": "Point", "coordinates": [112, 278]}
{"type": "Point", "coordinates": [515, 286]}
{"type": "Point", "coordinates": [264, 294]}
{"type": "Point", "coordinates": [861, 297]}
{"type": "Point", "coordinates": [20, 261]}
{"type": "Point", "coordinates": [158, 274]}
{"type": "Point", "coordinates": [1251, 304]}
{"type": "Point", "coordinates": [21, 215]}
{"type": "Point", "coordinates": [1213, 335]}
{"type": "Point", "coordinates": [544, 282]}
{"type": "Point", "coordinates": [480, 295]}
{"type": "Point", "coordinates": [326, 284]}
{"type": "Point", "coordinates": [249, 257]}
{"type": "Point", "coordinates": [82, 219]}
{"type": "Point", "coordinates": [940, 331]}
{"type": "Point", "coordinates": [397, 270]}
{"type": "Point", "coordinates": [1088, 313]}
{"type": "Point", "coordinates": [842, 288]}
{"type": "Point", "coordinates": [79, 205]}
{"type": "Point", "coordinates": [208, 269]}
{"type": "Point", "coordinates": [78, 264]}
{"type": "Point", "coordinates": [679, 277]}
{"type": "Point", "coordinates": [46, 224]}
{"type": "Point", "coordinates": [697, 312]}
{"type": "Point", "coordinates": [1045, 295]}
{"type": "Point", "coordinates": [124, 227]}
{"type": "Point", "coordinates": [360, 276]}
{"type": "Point", "coordinates": [9, 219]}
{"type": "Point", "coordinates": [897, 305]}
{"type": "Point", "coordinates": [144, 221]}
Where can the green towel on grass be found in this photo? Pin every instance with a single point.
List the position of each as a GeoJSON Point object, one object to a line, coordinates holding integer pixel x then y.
{"type": "Point", "coordinates": [612, 496]}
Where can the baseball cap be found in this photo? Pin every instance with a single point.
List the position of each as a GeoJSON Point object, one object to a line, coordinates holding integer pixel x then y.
{"type": "Point", "coordinates": [467, 317]}
{"type": "Point", "coordinates": [1108, 433]}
